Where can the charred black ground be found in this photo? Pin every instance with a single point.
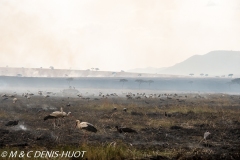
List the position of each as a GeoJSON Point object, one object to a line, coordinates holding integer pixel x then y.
{"type": "Point", "coordinates": [168, 126]}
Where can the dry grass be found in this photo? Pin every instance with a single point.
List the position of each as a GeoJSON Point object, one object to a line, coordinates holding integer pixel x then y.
{"type": "Point", "coordinates": [156, 133]}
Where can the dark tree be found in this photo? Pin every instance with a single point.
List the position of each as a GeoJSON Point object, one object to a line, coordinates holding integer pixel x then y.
{"type": "Point", "coordinates": [149, 82]}
{"type": "Point", "coordinates": [123, 81]}
{"type": "Point", "coordinates": [139, 81]}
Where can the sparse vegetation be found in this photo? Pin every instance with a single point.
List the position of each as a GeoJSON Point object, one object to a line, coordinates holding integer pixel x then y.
{"type": "Point", "coordinates": [123, 81]}
{"type": "Point", "coordinates": [167, 128]}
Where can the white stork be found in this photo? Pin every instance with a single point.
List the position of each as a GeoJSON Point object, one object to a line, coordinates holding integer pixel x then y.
{"type": "Point", "coordinates": [57, 114]}
{"type": "Point", "coordinates": [46, 96]}
{"type": "Point", "coordinates": [15, 100]}
{"type": "Point", "coordinates": [86, 126]}
{"type": "Point", "coordinates": [206, 134]}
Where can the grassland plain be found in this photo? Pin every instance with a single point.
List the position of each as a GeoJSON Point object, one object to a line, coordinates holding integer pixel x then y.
{"type": "Point", "coordinates": [168, 128]}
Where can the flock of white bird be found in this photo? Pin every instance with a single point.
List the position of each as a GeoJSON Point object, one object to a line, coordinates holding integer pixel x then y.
{"type": "Point", "coordinates": [56, 115]}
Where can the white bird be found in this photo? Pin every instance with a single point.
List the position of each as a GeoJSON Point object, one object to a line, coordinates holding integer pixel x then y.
{"type": "Point", "coordinates": [40, 92]}
{"type": "Point", "coordinates": [206, 134]}
{"type": "Point", "coordinates": [79, 95]}
{"type": "Point", "coordinates": [25, 94]}
{"type": "Point", "coordinates": [15, 100]}
{"type": "Point", "coordinates": [86, 126]}
{"type": "Point", "coordinates": [46, 96]}
{"type": "Point", "coordinates": [57, 114]}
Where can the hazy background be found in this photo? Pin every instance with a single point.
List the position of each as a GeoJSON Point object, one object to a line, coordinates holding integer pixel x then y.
{"type": "Point", "coordinates": [114, 35]}
{"type": "Point", "coordinates": [90, 85]}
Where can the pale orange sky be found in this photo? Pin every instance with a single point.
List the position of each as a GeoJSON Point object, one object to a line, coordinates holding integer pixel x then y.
{"type": "Point", "coordinates": [114, 35]}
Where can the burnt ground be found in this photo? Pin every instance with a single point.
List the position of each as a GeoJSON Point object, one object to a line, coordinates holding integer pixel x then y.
{"type": "Point", "coordinates": [178, 134]}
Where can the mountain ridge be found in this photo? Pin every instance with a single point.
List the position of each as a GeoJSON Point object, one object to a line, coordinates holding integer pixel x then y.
{"type": "Point", "coordinates": [215, 63]}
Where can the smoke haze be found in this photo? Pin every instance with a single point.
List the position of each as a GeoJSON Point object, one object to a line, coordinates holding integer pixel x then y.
{"type": "Point", "coordinates": [114, 35]}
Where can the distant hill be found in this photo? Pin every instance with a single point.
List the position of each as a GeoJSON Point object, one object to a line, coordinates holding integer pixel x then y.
{"type": "Point", "coordinates": [215, 63]}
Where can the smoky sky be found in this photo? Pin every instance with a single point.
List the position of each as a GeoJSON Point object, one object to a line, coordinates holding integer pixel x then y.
{"type": "Point", "coordinates": [114, 35]}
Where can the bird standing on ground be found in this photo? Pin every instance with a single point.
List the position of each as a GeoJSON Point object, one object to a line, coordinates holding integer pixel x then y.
{"type": "Point", "coordinates": [85, 126]}
{"type": "Point", "coordinates": [12, 123]}
{"type": "Point", "coordinates": [46, 96]}
{"type": "Point", "coordinates": [125, 130]}
{"type": "Point", "coordinates": [10, 95]}
{"type": "Point", "coordinates": [15, 100]}
{"type": "Point", "coordinates": [57, 114]}
{"type": "Point", "coordinates": [206, 134]}
{"type": "Point", "coordinates": [68, 105]}
{"type": "Point", "coordinates": [28, 97]}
